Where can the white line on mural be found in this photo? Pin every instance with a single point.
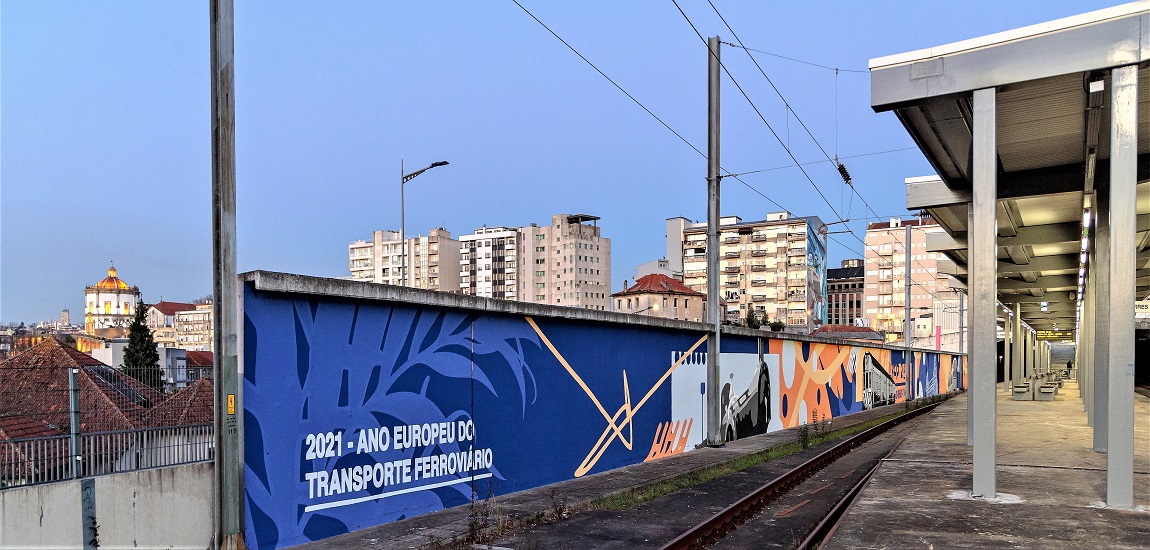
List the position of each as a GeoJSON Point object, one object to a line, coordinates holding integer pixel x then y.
{"type": "Point", "coordinates": [358, 500]}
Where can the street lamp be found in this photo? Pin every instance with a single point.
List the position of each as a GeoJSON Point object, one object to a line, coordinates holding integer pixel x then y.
{"type": "Point", "coordinates": [403, 179]}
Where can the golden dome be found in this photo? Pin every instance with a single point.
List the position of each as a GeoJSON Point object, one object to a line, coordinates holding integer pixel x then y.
{"type": "Point", "coordinates": [112, 282]}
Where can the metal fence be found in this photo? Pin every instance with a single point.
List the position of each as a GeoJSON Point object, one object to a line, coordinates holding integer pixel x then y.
{"type": "Point", "coordinates": [85, 418]}
{"type": "Point", "coordinates": [47, 459]}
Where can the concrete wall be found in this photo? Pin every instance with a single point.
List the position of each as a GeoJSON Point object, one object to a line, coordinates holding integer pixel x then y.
{"type": "Point", "coordinates": [155, 508]}
{"type": "Point", "coordinates": [344, 382]}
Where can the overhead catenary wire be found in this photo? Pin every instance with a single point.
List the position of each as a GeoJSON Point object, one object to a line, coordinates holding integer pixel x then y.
{"type": "Point", "coordinates": [761, 117]}
{"type": "Point", "coordinates": [796, 60]}
{"type": "Point", "coordinates": [727, 173]}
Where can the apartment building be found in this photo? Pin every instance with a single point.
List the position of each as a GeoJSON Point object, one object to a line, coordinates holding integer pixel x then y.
{"type": "Point", "coordinates": [845, 293]}
{"type": "Point", "coordinates": [161, 320]}
{"type": "Point", "coordinates": [567, 263]}
{"type": "Point", "coordinates": [195, 330]}
{"type": "Point", "coordinates": [887, 272]}
{"type": "Point", "coordinates": [431, 260]}
{"type": "Point", "coordinates": [489, 263]}
{"type": "Point", "coordinates": [775, 267]}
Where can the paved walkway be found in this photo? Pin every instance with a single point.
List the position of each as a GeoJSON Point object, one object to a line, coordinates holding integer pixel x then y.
{"type": "Point", "coordinates": [1052, 485]}
{"type": "Point", "coordinates": [573, 495]}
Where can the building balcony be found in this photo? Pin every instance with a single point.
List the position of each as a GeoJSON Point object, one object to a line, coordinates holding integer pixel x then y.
{"type": "Point", "coordinates": [758, 253]}
{"type": "Point", "coordinates": [759, 282]}
{"type": "Point", "coordinates": [758, 298]}
{"type": "Point", "coordinates": [796, 236]}
{"type": "Point", "coordinates": [758, 268]}
{"type": "Point", "coordinates": [731, 240]}
{"type": "Point", "coordinates": [732, 269]}
{"type": "Point", "coordinates": [758, 238]}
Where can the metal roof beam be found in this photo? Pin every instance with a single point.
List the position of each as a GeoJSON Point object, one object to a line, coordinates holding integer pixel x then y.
{"type": "Point", "coordinates": [1049, 282]}
{"type": "Point", "coordinates": [1087, 42]}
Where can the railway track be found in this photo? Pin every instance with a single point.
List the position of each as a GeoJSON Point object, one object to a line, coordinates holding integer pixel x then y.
{"type": "Point", "coordinates": [801, 507]}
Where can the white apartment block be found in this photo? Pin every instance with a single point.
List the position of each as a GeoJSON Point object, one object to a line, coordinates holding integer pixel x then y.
{"type": "Point", "coordinates": [775, 267]}
{"type": "Point", "coordinates": [489, 263]}
{"type": "Point", "coordinates": [195, 329]}
{"type": "Point", "coordinates": [431, 260]}
{"type": "Point", "coordinates": [931, 296]}
{"type": "Point", "coordinates": [567, 263]}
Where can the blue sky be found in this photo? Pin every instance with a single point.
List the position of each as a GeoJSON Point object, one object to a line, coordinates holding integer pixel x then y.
{"type": "Point", "coordinates": [105, 135]}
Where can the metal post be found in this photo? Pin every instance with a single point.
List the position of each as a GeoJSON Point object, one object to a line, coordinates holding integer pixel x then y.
{"type": "Point", "coordinates": [1017, 347]}
{"type": "Point", "coordinates": [1100, 289]}
{"type": "Point", "coordinates": [714, 437]}
{"type": "Point", "coordinates": [74, 422]}
{"type": "Point", "coordinates": [1007, 351]}
{"type": "Point", "coordinates": [963, 335]}
{"type": "Point", "coordinates": [228, 487]}
{"type": "Point", "coordinates": [982, 240]}
{"type": "Point", "coordinates": [907, 323]}
{"type": "Point", "coordinates": [1122, 246]}
{"type": "Point", "coordinates": [402, 231]}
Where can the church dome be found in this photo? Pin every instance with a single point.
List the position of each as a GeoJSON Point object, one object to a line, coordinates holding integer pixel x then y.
{"type": "Point", "coordinates": [111, 282]}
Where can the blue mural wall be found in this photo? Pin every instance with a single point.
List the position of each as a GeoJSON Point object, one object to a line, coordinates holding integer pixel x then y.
{"type": "Point", "coordinates": [358, 413]}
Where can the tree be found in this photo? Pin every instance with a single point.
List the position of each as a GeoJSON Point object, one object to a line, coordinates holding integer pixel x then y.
{"type": "Point", "coordinates": [141, 360]}
{"type": "Point", "coordinates": [752, 321]}
{"type": "Point", "coordinates": [777, 325]}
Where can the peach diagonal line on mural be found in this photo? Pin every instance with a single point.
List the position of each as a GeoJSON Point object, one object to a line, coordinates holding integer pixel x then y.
{"type": "Point", "coordinates": [613, 429]}
{"type": "Point", "coordinates": [577, 378]}
{"type": "Point", "coordinates": [607, 437]}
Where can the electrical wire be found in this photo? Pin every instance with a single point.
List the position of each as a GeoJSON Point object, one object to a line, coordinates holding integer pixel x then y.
{"type": "Point", "coordinates": [760, 114]}
{"type": "Point", "coordinates": [728, 173]}
{"type": "Point", "coordinates": [796, 60]}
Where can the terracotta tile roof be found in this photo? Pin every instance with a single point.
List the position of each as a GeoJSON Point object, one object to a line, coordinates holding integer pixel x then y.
{"type": "Point", "coordinates": [187, 407]}
{"type": "Point", "coordinates": [849, 332]}
{"type": "Point", "coordinates": [199, 359]}
{"type": "Point", "coordinates": [913, 222]}
{"type": "Point", "coordinates": [22, 427]}
{"type": "Point", "coordinates": [18, 462]}
{"type": "Point", "coordinates": [34, 383]}
{"type": "Point", "coordinates": [657, 283]}
{"type": "Point", "coordinates": [170, 308]}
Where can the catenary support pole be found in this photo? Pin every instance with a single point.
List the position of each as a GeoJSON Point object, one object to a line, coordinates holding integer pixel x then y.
{"type": "Point", "coordinates": [714, 313]}
{"type": "Point", "coordinates": [1100, 291]}
{"type": "Point", "coordinates": [982, 241]}
{"type": "Point", "coordinates": [907, 322]}
{"type": "Point", "coordinates": [228, 486]}
{"type": "Point", "coordinates": [1122, 247]}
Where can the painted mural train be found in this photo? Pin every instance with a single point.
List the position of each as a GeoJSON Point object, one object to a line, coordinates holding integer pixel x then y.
{"type": "Point", "coordinates": [360, 412]}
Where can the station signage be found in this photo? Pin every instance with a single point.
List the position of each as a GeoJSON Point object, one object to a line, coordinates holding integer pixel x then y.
{"type": "Point", "coordinates": [1055, 335]}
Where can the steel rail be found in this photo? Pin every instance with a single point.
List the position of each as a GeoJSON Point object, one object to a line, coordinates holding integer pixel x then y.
{"type": "Point", "coordinates": [827, 526]}
{"type": "Point", "coordinates": [725, 521]}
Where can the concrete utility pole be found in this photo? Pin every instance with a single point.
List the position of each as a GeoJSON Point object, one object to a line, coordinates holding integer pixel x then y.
{"type": "Point", "coordinates": [907, 323]}
{"type": "Point", "coordinates": [714, 437]}
{"type": "Point", "coordinates": [229, 463]}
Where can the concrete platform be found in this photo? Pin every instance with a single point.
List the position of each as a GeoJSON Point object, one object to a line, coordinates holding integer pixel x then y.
{"type": "Point", "coordinates": [1051, 484]}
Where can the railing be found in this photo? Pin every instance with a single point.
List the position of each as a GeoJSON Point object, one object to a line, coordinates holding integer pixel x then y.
{"type": "Point", "coordinates": [47, 459]}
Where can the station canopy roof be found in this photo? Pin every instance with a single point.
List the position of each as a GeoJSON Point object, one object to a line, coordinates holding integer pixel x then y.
{"type": "Point", "coordinates": [1053, 133]}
